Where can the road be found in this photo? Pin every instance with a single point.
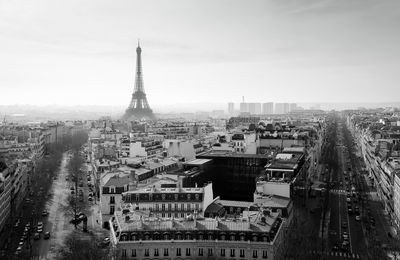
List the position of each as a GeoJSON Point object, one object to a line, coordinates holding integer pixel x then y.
{"type": "Point", "coordinates": [57, 222]}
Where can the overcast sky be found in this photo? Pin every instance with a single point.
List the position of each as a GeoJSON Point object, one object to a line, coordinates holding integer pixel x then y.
{"type": "Point", "coordinates": [83, 52]}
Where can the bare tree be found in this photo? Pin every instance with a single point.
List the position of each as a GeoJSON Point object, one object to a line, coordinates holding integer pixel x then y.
{"type": "Point", "coordinates": [83, 248]}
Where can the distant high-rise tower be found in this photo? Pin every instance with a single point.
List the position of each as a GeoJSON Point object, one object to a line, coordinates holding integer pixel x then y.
{"type": "Point", "coordinates": [268, 108]}
{"type": "Point", "coordinates": [231, 108]}
{"type": "Point", "coordinates": [139, 107]}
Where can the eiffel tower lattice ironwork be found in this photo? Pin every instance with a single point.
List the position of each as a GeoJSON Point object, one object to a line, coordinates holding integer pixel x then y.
{"type": "Point", "coordinates": [139, 107]}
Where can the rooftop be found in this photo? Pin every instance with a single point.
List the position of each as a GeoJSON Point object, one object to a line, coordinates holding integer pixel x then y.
{"type": "Point", "coordinates": [252, 221]}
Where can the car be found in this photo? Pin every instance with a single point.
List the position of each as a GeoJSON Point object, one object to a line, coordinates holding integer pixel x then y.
{"type": "Point", "coordinates": [348, 199]}
{"type": "Point", "coordinates": [345, 236]}
{"type": "Point", "coordinates": [90, 199]}
{"type": "Point", "coordinates": [66, 178]}
{"type": "Point", "coordinates": [19, 249]}
{"type": "Point", "coordinates": [36, 236]}
{"type": "Point", "coordinates": [45, 213]}
{"type": "Point", "coordinates": [358, 218]}
{"type": "Point", "coordinates": [72, 192]}
{"type": "Point", "coordinates": [106, 241]}
{"type": "Point", "coordinates": [46, 235]}
{"type": "Point", "coordinates": [344, 225]}
{"type": "Point", "coordinates": [335, 247]}
{"type": "Point", "coordinates": [21, 243]}
{"type": "Point", "coordinates": [39, 230]}
{"type": "Point", "coordinates": [40, 224]}
{"type": "Point", "coordinates": [72, 188]}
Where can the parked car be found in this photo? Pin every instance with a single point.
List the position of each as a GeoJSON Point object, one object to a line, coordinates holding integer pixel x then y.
{"type": "Point", "coordinates": [358, 218]}
{"type": "Point", "coordinates": [46, 235]}
{"type": "Point", "coordinates": [36, 236]}
{"type": "Point", "coordinates": [45, 213]}
{"type": "Point", "coordinates": [106, 241]}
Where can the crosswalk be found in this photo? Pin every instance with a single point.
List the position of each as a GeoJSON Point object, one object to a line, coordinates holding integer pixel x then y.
{"type": "Point", "coordinates": [339, 254]}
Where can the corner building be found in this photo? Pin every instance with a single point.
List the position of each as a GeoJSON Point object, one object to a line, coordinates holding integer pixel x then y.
{"type": "Point", "coordinates": [135, 235]}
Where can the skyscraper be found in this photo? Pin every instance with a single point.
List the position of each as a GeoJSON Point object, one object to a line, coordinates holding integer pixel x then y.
{"type": "Point", "coordinates": [231, 108]}
{"type": "Point", "coordinates": [139, 107]}
{"type": "Point", "coordinates": [268, 108]}
{"type": "Point", "coordinates": [244, 107]}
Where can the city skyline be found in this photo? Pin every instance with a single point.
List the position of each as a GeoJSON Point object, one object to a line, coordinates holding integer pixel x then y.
{"type": "Point", "coordinates": [75, 53]}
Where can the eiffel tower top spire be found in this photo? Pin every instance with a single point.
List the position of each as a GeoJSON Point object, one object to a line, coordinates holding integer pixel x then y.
{"type": "Point", "coordinates": [139, 107]}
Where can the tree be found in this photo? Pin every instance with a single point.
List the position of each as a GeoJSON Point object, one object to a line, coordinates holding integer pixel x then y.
{"type": "Point", "coordinates": [78, 247]}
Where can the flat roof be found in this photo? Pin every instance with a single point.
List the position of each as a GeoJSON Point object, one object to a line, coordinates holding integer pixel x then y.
{"type": "Point", "coordinates": [198, 162]}
{"type": "Point", "coordinates": [230, 154]}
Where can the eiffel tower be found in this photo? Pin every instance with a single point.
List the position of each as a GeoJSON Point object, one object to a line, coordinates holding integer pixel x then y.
{"type": "Point", "coordinates": [139, 107]}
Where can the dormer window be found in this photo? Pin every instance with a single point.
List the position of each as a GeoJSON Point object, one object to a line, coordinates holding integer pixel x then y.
{"type": "Point", "coordinates": [188, 196]}
{"type": "Point", "coordinates": [112, 189]}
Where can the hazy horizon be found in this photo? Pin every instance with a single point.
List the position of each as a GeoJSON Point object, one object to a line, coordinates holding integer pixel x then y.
{"type": "Point", "coordinates": [307, 51]}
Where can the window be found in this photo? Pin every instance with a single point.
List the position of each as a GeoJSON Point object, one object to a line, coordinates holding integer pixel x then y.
{"type": "Point", "coordinates": [241, 252]}
{"type": "Point", "coordinates": [146, 252]}
{"type": "Point", "coordinates": [254, 253]}
{"type": "Point", "coordinates": [210, 236]}
{"type": "Point", "coordinates": [133, 252]}
{"type": "Point", "coordinates": [165, 251]}
{"type": "Point", "coordinates": [188, 197]}
{"type": "Point", "coordinates": [112, 200]}
{"type": "Point", "coordinates": [178, 252]}
{"type": "Point", "coordinates": [232, 252]}
{"type": "Point", "coordinates": [157, 207]}
{"type": "Point", "coordinates": [176, 196]}
{"type": "Point", "coordinates": [187, 251]}
{"type": "Point", "coordinates": [176, 207]}
{"type": "Point", "coordinates": [156, 252]}
{"type": "Point", "coordinates": [163, 207]}
{"type": "Point", "coordinates": [200, 251]}
{"type": "Point", "coordinates": [182, 215]}
{"type": "Point", "coordinates": [232, 237]}
{"type": "Point", "coordinates": [222, 252]}
{"type": "Point", "coordinates": [182, 207]}
{"type": "Point", "coordinates": [209, 252]}
{"type": "Point", "coordinates": [169, 206]}
{"type": "Point", "coordinates": [188, 206]}
{"type": "Point", "coordinates": [197, 196]}
{"type": "Point", "coordinates": [112, 189]}
{"type": "Point", "coordinates": [265, 254]}
{"type": "Point", "coordinates": [112, 209]}
{"type": "Point", "coordinates": [163, 196]}
{"type": "Point", "coordinates": [123, 252]}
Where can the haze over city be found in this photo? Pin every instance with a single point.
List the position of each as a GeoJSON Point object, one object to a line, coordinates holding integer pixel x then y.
{"type": "Point", "coordinates": [83, 53]}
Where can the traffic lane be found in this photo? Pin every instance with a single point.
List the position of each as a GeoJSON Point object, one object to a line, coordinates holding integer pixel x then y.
{"type": "Point", "coordinates": [345, 226]}
{"type": "Point", "coordinates": [334, 224]}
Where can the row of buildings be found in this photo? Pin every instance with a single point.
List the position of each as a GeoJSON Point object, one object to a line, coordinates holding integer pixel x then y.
{"type": "Point", "coordinates": [268, 108]}
{"type": "Point", "coordinates": [214, 193]}
{"type": "Point", "coordinates": [378, 135]}
{"type": "Point", "coordinates": [22, 146]}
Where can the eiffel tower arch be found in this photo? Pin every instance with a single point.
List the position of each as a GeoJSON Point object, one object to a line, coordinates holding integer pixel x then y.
{"type": "Point", "coordinates": [139, 107]}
